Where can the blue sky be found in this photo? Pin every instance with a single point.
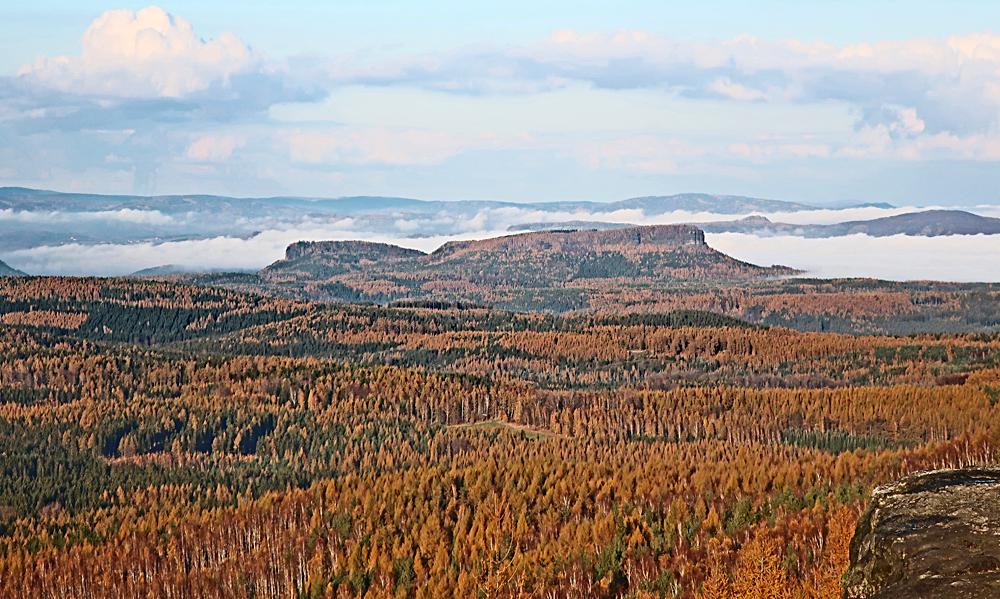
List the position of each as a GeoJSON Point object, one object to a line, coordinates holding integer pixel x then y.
{"type": "Point", "coordinates": [825, 103]}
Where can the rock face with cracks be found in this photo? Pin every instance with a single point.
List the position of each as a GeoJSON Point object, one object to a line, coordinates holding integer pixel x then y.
{"type": "Point", "coordinates": [933, 534]}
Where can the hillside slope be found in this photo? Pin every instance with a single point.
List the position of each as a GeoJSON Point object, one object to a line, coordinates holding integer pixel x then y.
{"type": "Point", "coordinates": [7, 271]}
{"type": "Point", "coordinates": [163, 440]}
{"type": "Point", "coordinates": [929, 223]}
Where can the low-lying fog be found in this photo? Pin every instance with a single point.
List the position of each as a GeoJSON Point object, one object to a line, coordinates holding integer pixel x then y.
{"type": "Point", "coordinates": [965, 258]}
{"type": "Point", "coordinates": [956, 258]}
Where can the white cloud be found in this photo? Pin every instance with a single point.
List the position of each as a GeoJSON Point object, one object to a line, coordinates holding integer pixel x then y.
{"type": "Point", "coordinates": [880, 141]}
{"type": "Point", "coordinates": [725, 87]}
{"type": "Point", "coordinates": [911, 86]}
{"type": "Point", "coordinates": [124, 215]}
{"type": "Point", "coordinates": [966, 258]}
{"type": "Point", "coordinates": [149, 53]}
{"type": "Point", "coordinates": [915, 99]}
{"type": "Point", "coordinates": [137, 68]}
{"type": "Point", "coordinates": [906, 122]}
{"type": "Point", "coordinates": [227, 253]}
{"type": "Point", "coordinates": [955, 258]}
{"type": "Point", "coordinates": [147, 95]}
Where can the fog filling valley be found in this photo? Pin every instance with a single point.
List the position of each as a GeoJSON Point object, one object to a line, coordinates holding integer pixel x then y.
{"type": "Point", "coordinates": [252, 243]}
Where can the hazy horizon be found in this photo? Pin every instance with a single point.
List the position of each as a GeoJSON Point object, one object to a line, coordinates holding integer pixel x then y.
{"type": "Point", "coordinates": [123, 238]}
{"type": "Point", "coordinates": [831, 107]}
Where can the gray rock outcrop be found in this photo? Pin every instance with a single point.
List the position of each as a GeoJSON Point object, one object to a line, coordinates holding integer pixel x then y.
{"type": "Point", "coordinates": [933, 534]}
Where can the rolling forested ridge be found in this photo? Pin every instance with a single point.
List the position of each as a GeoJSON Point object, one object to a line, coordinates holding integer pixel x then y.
{"type": "Point", "coordinates": [167, 440]}
{"type": "Point", "coordinates": [633, 270]}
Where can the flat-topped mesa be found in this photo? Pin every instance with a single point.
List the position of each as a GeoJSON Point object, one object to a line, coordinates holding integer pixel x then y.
{"type": "Point", "coordinates": [654, 238]}
{"type": "Point", "coordinates": [505, 267]}
{"type": "Point", "coordinates": [319, 260]}
{"type": "Point", "coordinates": [368, 250]}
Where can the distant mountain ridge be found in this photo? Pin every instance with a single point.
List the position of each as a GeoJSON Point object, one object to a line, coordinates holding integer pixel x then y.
{"type": "Point", "coordinates": [33, 218]}
{"type": "Point", "coordinates": [22, 198]}
{"type": "Point", "coordinates": [927, 223]}
{"type": "Point", "coordinates": [701, 202]}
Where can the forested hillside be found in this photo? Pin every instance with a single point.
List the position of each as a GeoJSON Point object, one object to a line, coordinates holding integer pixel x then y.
{"type": "Point", "coordinates": [859, 306]}
{"type": "Point", "coordinates": [165, 440]}
{"type": "Point", "coordinates": [632, 270]}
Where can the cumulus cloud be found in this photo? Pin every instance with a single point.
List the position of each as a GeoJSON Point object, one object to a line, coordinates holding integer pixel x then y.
{"type": "Point", "coordinates": [147, 65]}
{"type": "Point", "coordinates": [916, 99]}
{"type": "Point", "coordinates": [148, 105]}
{"type": "Point", "coordinates": [149, 53]}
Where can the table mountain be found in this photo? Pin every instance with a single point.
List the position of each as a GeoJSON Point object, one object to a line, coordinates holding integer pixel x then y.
{"type": "Point", "coordinates": [475, 270]}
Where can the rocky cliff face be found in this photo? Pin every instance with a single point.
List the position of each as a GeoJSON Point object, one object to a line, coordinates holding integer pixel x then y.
{"type": "Point", "coordinates": [654, 238]}
{"type": "Point", "coordinates": [935, 534]}
{"type": "Point", "coordinates": [367, 249]}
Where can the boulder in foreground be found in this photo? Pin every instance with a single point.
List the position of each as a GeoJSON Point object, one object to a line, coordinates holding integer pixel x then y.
{"type": "Point", "coordinates": [934, 534]}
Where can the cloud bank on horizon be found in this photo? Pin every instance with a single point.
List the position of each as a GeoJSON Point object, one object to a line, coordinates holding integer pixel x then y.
{"type": "Point", "coordinates": [146, 104]}
{"type": "Point", "coordinates": [966, 258]}
{"type": "Point", "coordinates": [961, 258]}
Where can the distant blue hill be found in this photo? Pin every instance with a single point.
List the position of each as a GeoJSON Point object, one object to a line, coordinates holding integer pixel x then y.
{"type": "Point", "coordinates": [21, 198]}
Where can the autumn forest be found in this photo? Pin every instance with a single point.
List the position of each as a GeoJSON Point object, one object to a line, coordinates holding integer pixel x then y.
{"type": "Point", "coordinates": [167, 440]}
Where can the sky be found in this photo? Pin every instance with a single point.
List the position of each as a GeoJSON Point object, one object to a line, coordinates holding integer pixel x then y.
{"type": "Point", "coordinates": [824, 103]}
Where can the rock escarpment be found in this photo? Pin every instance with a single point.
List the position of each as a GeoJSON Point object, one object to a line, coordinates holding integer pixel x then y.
{"type": "Point", "coordinates": [647, 239]}
{"type": "Point", "coordinates": [934, 534]}
{"type": "Point", "coordinates": [367, 250]}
